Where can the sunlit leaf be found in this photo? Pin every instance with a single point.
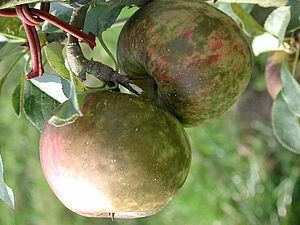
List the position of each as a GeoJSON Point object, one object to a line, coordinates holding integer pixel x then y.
{"type": "Point", "coordinates": [57, 61]}
{"type": "Point", "coordinates": [286, 125]}
{"type": "Point", "coordinates": [51, 85]}
{"type": "Point", "coordinates": [277, 22]}
{"type": "Point", "coordinates": [6, 193]}
{"type": "Point", "coordinates": [250, 26]}
{"type": "Point", "coordinates": [265, 43]}
{"type": "Point", "coordinates": [291, 90]}
{"type": "Point", "coordinates": [55, 58]}
{"type": "Point", "coordinates": [70, 110]}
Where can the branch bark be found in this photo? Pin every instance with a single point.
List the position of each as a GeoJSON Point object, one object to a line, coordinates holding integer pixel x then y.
{"type": "Point", "coordinates": [80, 65]}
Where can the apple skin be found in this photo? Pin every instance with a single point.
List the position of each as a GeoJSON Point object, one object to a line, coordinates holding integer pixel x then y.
{"type": "Point", "coordinates": [197, 56]}
{"type": "Point", "coordinates": [124, 156]}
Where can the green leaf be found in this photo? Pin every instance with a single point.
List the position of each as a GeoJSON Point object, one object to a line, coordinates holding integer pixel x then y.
{"type": "Point", "coordinates": [106, 16]}
{"type": "Point", "coordinates": [9, 66]}
{"type": "Point", "coordinates": [70, 110]}
{"type": "Point", "coordinates": [18, 96]}
{"type": "Point", "coordinates": [50, 84]}
{"type": "Point", "coordinates": [10, 48]}
{"type": "Point", "coordinates": [38, 106]}
{"type": "Point", "coordinates": [291, 90]}
{"type": "Point", "coordinates": [277, 22]}
{"type": "Point", "coordinates": [250, 26]}
{"type": "Point", "coordinates": [295, 18]}
{"type": "Point", "coordinates": [226, 8]}
{"type": "Point", "coordinates": [16, 100]}
{"type": "Point", "coordinates": [10, 25]}
{"type": "Point", "coordinates": [108, 52]}
{"type": "Point", "coordinates": [6, 193]}
{"type": "Point", "coordinates": [67, 112]}
{"type": "Point", "coordinates": [285, 125]}
{"type": "Point", "coordinates": [101, 17]}
{"type": "Point", "coordinates": [59, 10]}
{"type": "Point", "coordinates": [55, 58]}
{"type": "Point", "coordinates": [42, 95]}
{"type": "Point", "coordinates": [66, 87]}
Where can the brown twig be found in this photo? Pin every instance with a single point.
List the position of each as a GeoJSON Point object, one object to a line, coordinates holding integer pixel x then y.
{"type": "Point", "coordinates": [81, 65]}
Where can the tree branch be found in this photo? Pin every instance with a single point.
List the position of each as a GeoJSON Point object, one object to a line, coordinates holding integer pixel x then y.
{"type": "Point", "coordinates": [81, 65]}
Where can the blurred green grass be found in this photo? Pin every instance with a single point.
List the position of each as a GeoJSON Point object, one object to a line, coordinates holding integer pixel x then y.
{"type": "Point", "coordinates": [240, 175]}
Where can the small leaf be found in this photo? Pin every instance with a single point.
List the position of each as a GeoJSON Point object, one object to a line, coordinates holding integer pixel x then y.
{"type": "Point", "coordinates": [18, 97]}
{"type": "Point", "coordinates": [277, 22]}
{"type": "Point", "coordinates": [101, 17]}
{"type": "Point", "coordinates": [67, 113]}
{"type": "Point", "coordinates": [285, 125]}
{"type": "Point", "coordinates": [51, 85]}
{"type": "Point", "coordinates": [56, 60]}
{"type": "Point", "coordinates": [291, 90]}
{"type": "Point", "coordinates": [265, 43]}
{"type": "Point", "coordinates": [38, 106]}
{"type": "Point", "coordinates": [250, 26]}
{"type": "Point", "coordinates": [108, 52]}
{"type": "Point", "coordinates": [16, 100]}
{"type": "Point", "coordinates": [6, 193]}
{"type": "Point", "coordinates": [70, 110]}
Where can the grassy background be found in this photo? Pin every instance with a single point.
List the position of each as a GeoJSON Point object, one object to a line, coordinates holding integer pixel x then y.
{"type": "Point", "coordinates": [240, 175]}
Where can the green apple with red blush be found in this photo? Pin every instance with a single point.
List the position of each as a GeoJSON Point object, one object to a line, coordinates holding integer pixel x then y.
{"type": "Point", "coordinates": [187, 56]}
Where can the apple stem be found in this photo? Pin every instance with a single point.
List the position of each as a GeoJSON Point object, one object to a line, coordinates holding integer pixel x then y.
{"type": "Point", "coordinates": [80, 65]}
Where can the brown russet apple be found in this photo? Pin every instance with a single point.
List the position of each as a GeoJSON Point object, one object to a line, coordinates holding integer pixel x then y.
{"type": "Point", "coordinates": [187, 56]}
{"type": "Point", "coordinates": [124, 157]}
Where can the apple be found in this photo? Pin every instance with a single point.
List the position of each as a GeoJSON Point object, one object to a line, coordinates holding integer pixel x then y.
{"type": "Point", "coordinates": [195, 57]}
{"type": "Point", "coordinates": [124, 157]}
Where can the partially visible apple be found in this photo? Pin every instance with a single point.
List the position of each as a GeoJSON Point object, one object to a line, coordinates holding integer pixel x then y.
{"type": "Point", "coordinates": [125, 157]}
{"type": "Point", "coordinates": [194, 59]}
